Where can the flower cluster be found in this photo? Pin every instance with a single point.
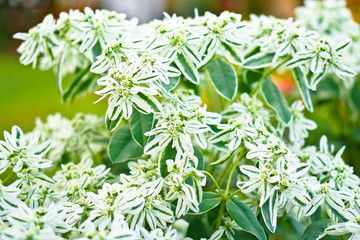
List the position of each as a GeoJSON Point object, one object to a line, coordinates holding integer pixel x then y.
{"type": "Point", "coordinates": [69, 137]}
{"type": "Point", "coordinates": [77, 203]}
{"type": "Point", "coordinates": [191, 104]}
{"type": "Point", "coordinates": [333, 21]}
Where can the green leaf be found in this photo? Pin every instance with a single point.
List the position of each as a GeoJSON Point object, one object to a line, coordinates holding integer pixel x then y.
{"type": "Point", "coordinates": [343, 45]}
{"type": "Point", "coordinates": [209, 201]}
{"type": "Point", "coordinates": [167, 153]}
{"type": "Point", "coordinates": [200, 158]}
{"type": "Point", "coordinates": [231, 54]}
{"type": "Point", "coordinates": [316, 229]}
{"type": "Point", "coordinates": [139, 125]}
{"type": "Point", "coordinates": [259, 60]}
{"type": "Point", "coordinates": [297, 226]}
{"type": "Point", "coordinates": [96, 50]}
{"type": "Point", "coordinates": [148, 100]}
{"type": "Point", "coordinates": [301, 82]}
{"type": "Point", "coordinates": [198, 228]}
{"type": "Point", "coordinates": [187, 68]}
{"type": "Point", "coordinates": [226, 157]}
{"type": "Point", "coordinates": [335, 214]}
{"type": "Point", "coordinates": [355, 95]}
{"type": "Point", "coordinates": [269, 212]}
{"type": "Point", "coordinates": [174, 81]}
{"type": "Point", "coordinates": [243, 235]}
{"type": "Point", "coordinates": [81, 76]}
{"type": "Point", "coordinates": [316, 215]}
{"type": "Point", "coordinates": [224, 77]}
{"type": "Point", "coordinates": [245, 218]}
{"type": "Point", "coordinates": [275, 99]}
{"type": "Point", "coordinates": [122, 146]}
{"type": "Point", "coordinates": [113, 124]}
{"type": "Point", "coordinates": [251, 76]}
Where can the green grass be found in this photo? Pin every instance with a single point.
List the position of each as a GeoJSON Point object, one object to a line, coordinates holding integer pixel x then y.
{"type": "Point", "coordinates": [27, 93]}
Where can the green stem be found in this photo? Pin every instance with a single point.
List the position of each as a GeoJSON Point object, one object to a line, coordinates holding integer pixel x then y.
{"type": "Point", "coordinates": [221, 212]}
{"type": "Point", "coordinates": [211, 168]}
{"type": "Point", "coordinates": [233, 168]}
{"type": "Point", "coordinates": [223, 173]}
{"type": "Point", "coordinates": [233, 194]}
{"type": "Point", "coordinates": [268, 73]}
{"type": "Point", "coordinates": [228, 169]}
{"type": "Point", "coordinates": [215, 183]}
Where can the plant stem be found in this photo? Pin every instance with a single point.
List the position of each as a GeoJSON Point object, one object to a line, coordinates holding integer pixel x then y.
{"type": "Point", "coordinates": [233, 194]}
{"type": "Point", "coordinates": [221, 212]}
{"type": "Point", "coordinates": [223, 178]}
{"type": "Point", "coordinates": [233, 168]}
{"type": "Point", "coordinates": [223, 201]}
{"type": "Point", "coordinates": [215, 183]}
{"type": "Point", "coordinates": [223, 173]}
{"type": "Point", "coordinates": [268, 73]}
{"type": "Point", "coordinates": [211, 168]}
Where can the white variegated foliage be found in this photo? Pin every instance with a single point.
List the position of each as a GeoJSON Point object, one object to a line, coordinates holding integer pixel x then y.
{"type": "Point", "coordinates": [138, 67]}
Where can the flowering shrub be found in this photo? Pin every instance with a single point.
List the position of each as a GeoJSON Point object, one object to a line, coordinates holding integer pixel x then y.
{"type": "Point", "coordinates": [203, 143]}
{"type": "Point", "coordinates": [334, 22]}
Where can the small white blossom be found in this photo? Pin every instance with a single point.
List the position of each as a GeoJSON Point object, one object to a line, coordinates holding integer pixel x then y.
{"type": "Point", "coordinates": [17, 153]}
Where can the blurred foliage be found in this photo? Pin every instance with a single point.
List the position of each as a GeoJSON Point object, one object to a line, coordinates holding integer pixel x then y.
{"type": "Point", "coordinates": [338, 119]}
{"type": "Point", "coordinates": [27, 93]}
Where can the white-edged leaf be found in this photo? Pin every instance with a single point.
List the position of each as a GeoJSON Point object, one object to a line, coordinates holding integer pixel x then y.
{"type": "Point", "coordinates": [269, 212]}
{"type": "Point", "coordinates": [301, 81]}
{"type": "Point", "coordinates": [245, 218]}
{"type": "Point", "coordinates": [123, 147]}
{"type": "Point", "coordinates": [224, 77]}
{"type": "Point", "coordinates": [187, 68]}
{"type": "Point", "coordinates": [276, 100]}
{"type": "Point", "coordinates": [259, 60]}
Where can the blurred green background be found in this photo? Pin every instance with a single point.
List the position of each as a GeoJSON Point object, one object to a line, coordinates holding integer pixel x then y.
{"type": "Point", "coordinates": [26, 93]}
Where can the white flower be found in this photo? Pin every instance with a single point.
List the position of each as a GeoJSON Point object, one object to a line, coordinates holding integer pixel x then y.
{"type": "Point", "coordinates": [101, 27]}
{"type": "Point", "coordinates": [247, 105]}
{"type": "Point", "coordinates": [352, 226]}
{"type": "Point", "coordinates": [73, 137]}
{"type": "Point", "coordinates": [127, 89]}
{"type": "Point", "coordinates": [325, 194]}
{"type": "Point", "coordinates": [292, 184]}
{"type": "Point", "coordinates": [235, 131]}
{"type": "Point", "coordinates": [229, 229]}
{"type": "Point", "coordinates": [273, 147]}
{"type": "Point", "coordinates": [72, 176]}
{"type": "Point", "coordinates": [128, 202]}
{"type": "Point", "coordinates": [8, 196]}
{"type": "Point", "coordinates": [183, 193]}
{"type": "Point", "coordinates": [149, 63]}
{"type": "Point", "coordinates": [263, 179]}
{"type": "Point", "coordinates": [17, 153]}
{"type": "Point", "coordinates": [40, 40]}
{"type": "Point", "coordinates": [38, 221]}
{"type": "Point", "coordinates": [319, 57]}
{"type": "Point", "coordinates": [157, 234]}
{"type": "Point", "coordinates": [299, 125]}
{"type": "Point", "coordinates": [118, 230]}
{"type": "Point", "coordinates": [174, 127]}
{"type": "Point", "coordinates": [225, 33]}
{"type": "Point", "coordinates": [114, 53]}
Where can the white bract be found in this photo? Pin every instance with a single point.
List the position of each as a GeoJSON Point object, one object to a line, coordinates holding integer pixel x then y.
{"type": "Point", "coordinates": [18, 153]}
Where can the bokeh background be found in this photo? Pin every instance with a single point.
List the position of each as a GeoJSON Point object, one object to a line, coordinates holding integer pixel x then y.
{"type": "Point", "coordinates": [26, 93]}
